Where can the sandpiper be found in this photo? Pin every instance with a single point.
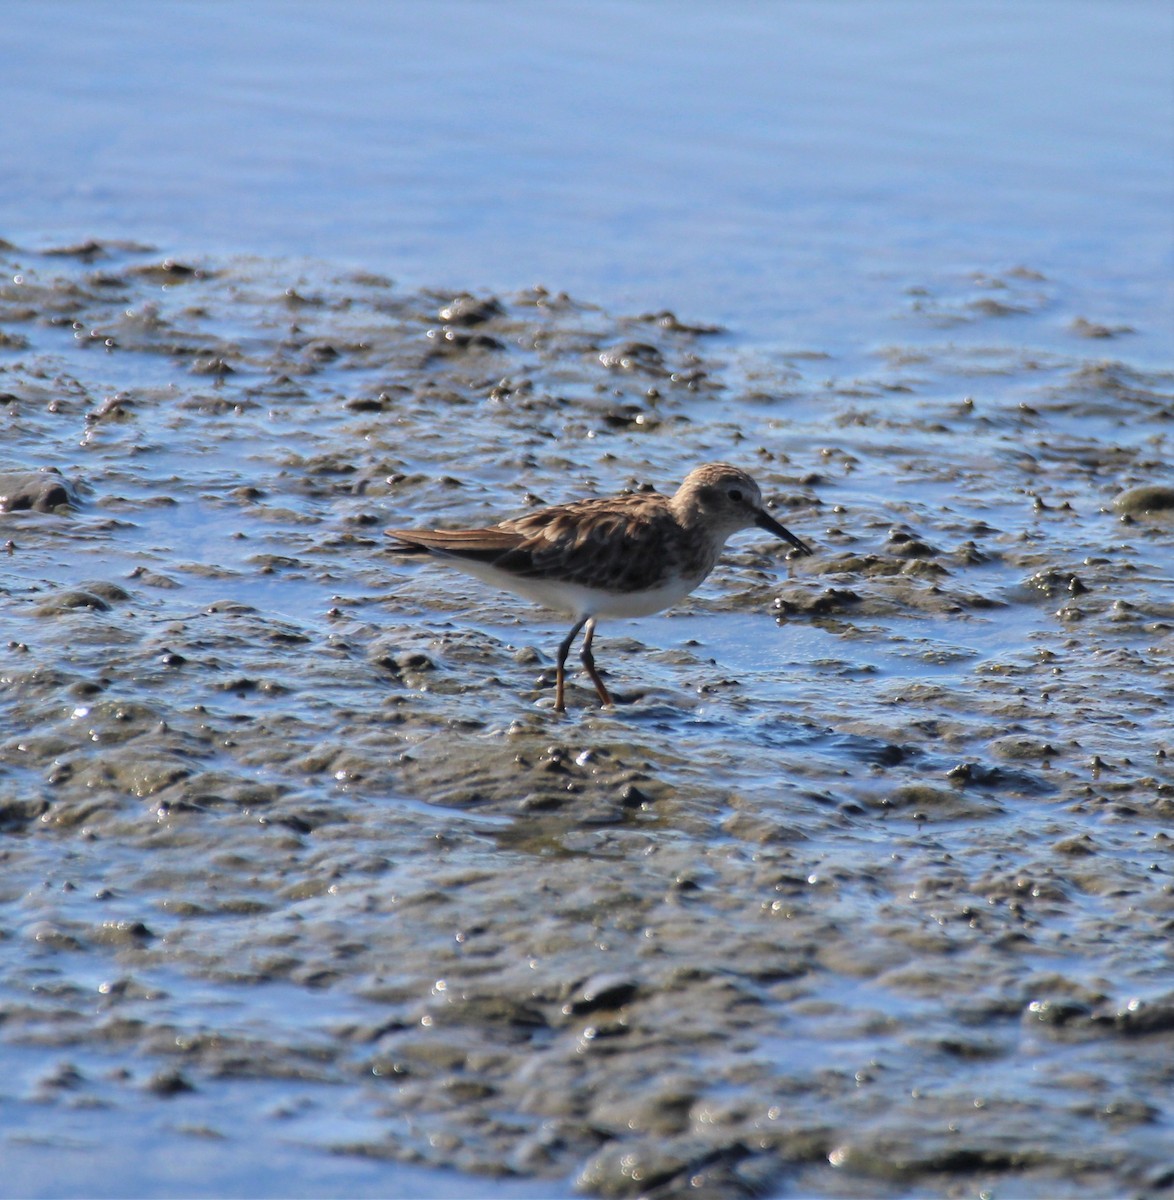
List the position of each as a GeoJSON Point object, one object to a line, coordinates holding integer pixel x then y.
{"type": "Point", "coordinates": [623, 556]}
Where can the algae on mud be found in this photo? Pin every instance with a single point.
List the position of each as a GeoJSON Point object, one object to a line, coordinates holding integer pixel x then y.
{"type": "Point", "coordinates": [865, 886]}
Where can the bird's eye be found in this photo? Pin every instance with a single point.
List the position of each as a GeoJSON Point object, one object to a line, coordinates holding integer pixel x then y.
{"type": "Point", "coordinates": [735, 493]}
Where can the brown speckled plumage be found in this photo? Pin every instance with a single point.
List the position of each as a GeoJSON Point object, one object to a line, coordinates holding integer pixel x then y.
{"type": "Point", "coordinates": [625, 544]}
{"type": "Point", "coordinates": [622, 556]}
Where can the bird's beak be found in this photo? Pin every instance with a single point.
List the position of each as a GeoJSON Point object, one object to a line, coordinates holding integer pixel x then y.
{"type": "Point", "coordinates": [765, 521]}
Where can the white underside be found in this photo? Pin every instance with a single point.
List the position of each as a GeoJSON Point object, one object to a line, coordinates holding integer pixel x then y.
{"type": "Point", "coordinates": [572, 598]}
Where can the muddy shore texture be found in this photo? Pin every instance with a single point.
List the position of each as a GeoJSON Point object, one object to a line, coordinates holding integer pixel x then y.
{"type": "Point", "coordinates": [864, 887]}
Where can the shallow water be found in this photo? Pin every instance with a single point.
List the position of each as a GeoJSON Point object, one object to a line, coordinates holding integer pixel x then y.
{"type": "Point", "coordinates": [864, 887]}
{"type": "Point", "coordinates": [782, 169]}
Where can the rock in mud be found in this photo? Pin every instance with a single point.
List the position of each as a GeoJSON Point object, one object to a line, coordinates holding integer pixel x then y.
{"type": "Point", "coordinates": [41, 491]}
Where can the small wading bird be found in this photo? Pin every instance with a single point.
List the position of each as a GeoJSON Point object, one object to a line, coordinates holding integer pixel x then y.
{"type": "Point", "coordinates": [624, 556]}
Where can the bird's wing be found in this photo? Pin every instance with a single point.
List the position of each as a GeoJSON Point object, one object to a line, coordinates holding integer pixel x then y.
{"type": "Point", "coordinates": [459, 543]}
{"type": "Point", "coordinates": [585, 541]}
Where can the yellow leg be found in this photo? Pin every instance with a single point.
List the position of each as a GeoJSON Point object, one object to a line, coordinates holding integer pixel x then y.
{"type": "Point", "coordinates": [561, 673]}
{"type": "Point", "coordinates": [589, 662]}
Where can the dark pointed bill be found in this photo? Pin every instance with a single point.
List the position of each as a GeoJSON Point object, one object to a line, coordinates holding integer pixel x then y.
{"type": "Point", "coordinates": [765, 521]}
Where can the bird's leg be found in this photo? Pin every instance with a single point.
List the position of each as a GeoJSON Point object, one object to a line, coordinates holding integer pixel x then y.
{"type": "Point", "coordinates": [561, 674]}
{"type": "Point", "coordinates": [589, 662]}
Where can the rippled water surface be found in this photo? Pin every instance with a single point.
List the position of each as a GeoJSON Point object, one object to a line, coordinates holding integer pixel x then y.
{"type": "Point", "coordinates": [863, 887]}
{"type": "Point", "coordinates": [866, 875]}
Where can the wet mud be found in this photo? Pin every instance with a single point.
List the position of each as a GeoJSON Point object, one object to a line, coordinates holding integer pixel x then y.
{"type": "Point", "coordinates": [864, 886]}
